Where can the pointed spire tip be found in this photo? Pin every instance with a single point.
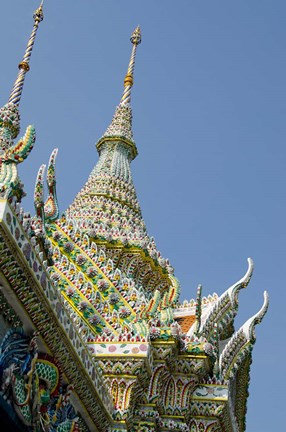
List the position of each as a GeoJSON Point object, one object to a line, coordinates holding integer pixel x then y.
{"type": "Point", "coordinates": [136, 36]}
{"type": "Point", "coordinates": [38, 14]}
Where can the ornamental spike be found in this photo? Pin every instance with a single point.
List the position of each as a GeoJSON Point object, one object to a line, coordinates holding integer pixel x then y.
{"type": "Point", "coordinates": [198, 308]}
{"type": "Point", "coordinates": [249, 326]}
{"type": "Point", "coordinates": [24, 65]}
{"type": "Point", "coordinates": [135, 39]}
{"type": "Point", "coordinates": [39, 193]}
{"type": "Point", "coordinates": [51, 205]}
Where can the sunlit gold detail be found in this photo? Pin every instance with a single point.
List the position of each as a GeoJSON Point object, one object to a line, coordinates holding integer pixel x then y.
{"type": "Point", "coordinates": [128, 81]}
{"type": "Point", "coordinates": [136, 36]}
{"type": "Point", "coordinates": [24, 65]}
{"type": "Point", "coordinates": [38, 14]}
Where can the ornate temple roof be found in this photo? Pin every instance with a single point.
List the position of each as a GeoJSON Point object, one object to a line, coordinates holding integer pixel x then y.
{"type": "Point", "coordinates": [97, 304]}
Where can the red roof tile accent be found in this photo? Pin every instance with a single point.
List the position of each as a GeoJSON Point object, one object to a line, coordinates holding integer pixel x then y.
{"type": "Point", "coordinates": [186, 322]}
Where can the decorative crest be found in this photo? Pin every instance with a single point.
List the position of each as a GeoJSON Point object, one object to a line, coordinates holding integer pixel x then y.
{"type": "Point", "coordinates": [240, 344]}
{"type": "Point", "coordinates": [249, 326]}
{"type": "Point", "coordinates": [49, 210]}
{"type": "Point", "coordinates": [51, 204]}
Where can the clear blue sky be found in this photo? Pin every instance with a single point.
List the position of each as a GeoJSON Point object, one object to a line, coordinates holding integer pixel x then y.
{"type": "Point", "coordinates": [209, 122]}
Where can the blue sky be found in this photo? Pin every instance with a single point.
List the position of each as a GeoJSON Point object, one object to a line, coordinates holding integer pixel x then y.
{"type": "Point", "coordinates": [209, 123]}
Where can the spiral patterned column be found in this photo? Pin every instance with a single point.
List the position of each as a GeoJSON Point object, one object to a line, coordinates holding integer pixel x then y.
{"type": "Point", "coordinates": [128, 81]}
{"type": "Point", "coordinates": [24, 67]}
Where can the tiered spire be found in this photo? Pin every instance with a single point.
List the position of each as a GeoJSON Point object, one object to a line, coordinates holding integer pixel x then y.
{"type": "Point", "coordinates": [107, 211]}
{"type": "Point", "coordinates": [109, 198]}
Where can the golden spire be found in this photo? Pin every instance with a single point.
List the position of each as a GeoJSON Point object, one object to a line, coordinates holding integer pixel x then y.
{"type": "Point", "coordinates": [24, 67]}
{"type": "Point", "coordinates": [128, 81]}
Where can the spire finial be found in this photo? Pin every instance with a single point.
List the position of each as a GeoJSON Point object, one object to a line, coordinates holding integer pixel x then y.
{"type": "Point", "coordinates": [135, 39]}
{"type": "Point", "coordinates": [121, 124]}
{"type": "Point", "coordinates": [24, 66]}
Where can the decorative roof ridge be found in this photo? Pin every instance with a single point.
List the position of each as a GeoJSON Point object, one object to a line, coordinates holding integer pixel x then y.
{"type": "Point", "coordinates": [249, 326]}
{"type": "Point", "coordinates": [241, 343]}
{"type": "Point", "coordinates": [26, 270]}
{"type": "Point", "coordinates": [189, 305]}
{"type": "Point", "coordinates": [39, 193]}
{"type": "Point", "coordinates": [236, 344]}
{"type": "Point", "coordinates": [51, 205]}
{"type": "Point", "coordinates": [45, 211]}
{"type": "Point", "coordinates": [242, 283]}
{"type": "Point", "coordinates": [215, 314]}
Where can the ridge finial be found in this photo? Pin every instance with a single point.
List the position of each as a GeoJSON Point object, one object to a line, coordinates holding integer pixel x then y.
{"type": "Point", "coordinates": [24, 66]}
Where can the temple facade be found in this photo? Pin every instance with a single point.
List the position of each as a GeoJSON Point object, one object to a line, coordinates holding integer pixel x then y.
{"type": "Point", "coordinates": [93, 335]}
